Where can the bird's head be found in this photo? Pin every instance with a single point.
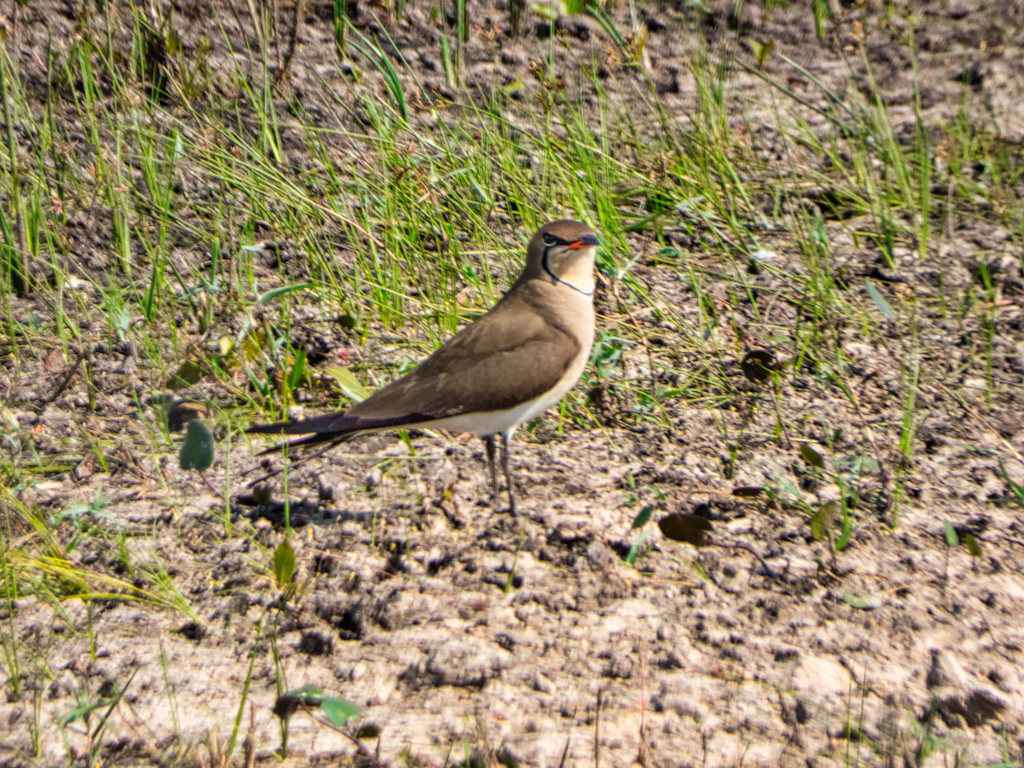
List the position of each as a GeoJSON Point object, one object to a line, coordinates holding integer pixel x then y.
{"type": "Point", "coordinates": [564, 251]}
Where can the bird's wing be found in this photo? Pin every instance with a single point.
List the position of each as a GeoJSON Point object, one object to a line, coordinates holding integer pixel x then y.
{"type": "Point", "coordinates": [500, 361]}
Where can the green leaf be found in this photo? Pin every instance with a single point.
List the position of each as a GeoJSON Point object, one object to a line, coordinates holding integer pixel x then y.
{"type": "Point", "coordinates": [635, 549]}
{"type": "Point", "coordinates": [284, 563]}
{"type": "Point", "coordinates": [190, 372]}
{"type": "Point", "coordinates": [253, 344]}
{"type": "Point", "coordinates": [823, 520]}
{"type": "Point", "coordinates": [861, 602]}
{"type": "Point", "coordinates": [978, 450]}
{"type": "Point", "coordinates": [952, 539]}
{"type": "Point", "coordinates": [867, 465]}
{"type": "Point", "coordinates": [548, 10]}
{"type": "Point", "coordinates": [972, 545]}
{"type": "Point", "coordinates": [1017, 488]}
{"type": "Point", "coordinates": [787, 488]}
{"type": "Point", "coordinates": [348, 383]}
{"type": "Point", "coordinates": [339, 711]}
{"type": "Point", "coordinates": [197, 450]}
{"type": "Point", "coordinates": [642, 517]}
{"type": "Point", "coordinates": [699, 570]}
{"type": "Point", "coordinates": [689, 529]}
{"type": "Point", "coordinates": [883, 306]}
{"type": "Point", "coordinates": [762, 51]}
{"type": "Point", "coordinates": [845, 533]}
{"type": "Point", "coordinates": [298, 368]}
{"type": "Point", "coordinates": [811, 455]}
{"type": "Point", "coordinates": [275, 293]}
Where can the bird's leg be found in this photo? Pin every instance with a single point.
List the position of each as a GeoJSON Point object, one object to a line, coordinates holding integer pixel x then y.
{"type": "Point", "coordinates": [508, 473]}
{"type": "Point", "coordinates": [489, 445]}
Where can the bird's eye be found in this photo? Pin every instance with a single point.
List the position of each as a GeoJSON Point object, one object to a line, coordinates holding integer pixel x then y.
{"type": "Point", "coordinates": [550, 239]}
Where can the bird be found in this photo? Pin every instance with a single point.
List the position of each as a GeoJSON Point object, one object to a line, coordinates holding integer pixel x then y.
{"type": "Point", "coordinates": [505, 368]}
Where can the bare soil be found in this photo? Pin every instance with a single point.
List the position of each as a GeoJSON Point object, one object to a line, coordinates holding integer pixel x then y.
{"type": "Point", "coordinates": [449, 622]}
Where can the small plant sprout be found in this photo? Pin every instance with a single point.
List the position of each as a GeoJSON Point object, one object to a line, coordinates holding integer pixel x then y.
{"type": "Point", "coordinates": [337, 713]}
{"type": "Point", "coordinates": [823, 525]}
{"type": "Point", "coordinates": [197, 450]}
{"type": "Point", "coordinates": [639, 523]}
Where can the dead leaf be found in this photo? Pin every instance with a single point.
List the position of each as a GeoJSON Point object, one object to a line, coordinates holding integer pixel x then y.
{"type": "Point", "coordinates": [54, 362]}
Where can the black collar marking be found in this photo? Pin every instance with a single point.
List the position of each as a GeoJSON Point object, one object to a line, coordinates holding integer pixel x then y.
{"type": "Point", "coordinates": [557, 279]}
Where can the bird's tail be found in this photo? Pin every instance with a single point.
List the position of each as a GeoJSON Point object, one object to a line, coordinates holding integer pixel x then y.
{"type": "Point", "coordinates": [333, 427]}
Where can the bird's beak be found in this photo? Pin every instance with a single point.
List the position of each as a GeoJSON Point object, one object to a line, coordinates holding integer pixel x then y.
{"type": "Point", "coordinates": [584, 242]}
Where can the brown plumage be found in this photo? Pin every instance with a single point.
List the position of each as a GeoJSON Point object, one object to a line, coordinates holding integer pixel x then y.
{"type": "Point", "coordinates": [506, 367]}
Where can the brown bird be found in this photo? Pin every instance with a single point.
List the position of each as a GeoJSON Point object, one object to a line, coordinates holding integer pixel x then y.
{"type": "Point", "coordinates": [505, 368]}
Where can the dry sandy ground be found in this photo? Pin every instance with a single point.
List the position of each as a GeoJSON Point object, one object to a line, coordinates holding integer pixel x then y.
{"type": "Point", "coordinates": [448, 622]}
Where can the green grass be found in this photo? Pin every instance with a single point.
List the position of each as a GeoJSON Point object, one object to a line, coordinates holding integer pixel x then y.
{"type": "Point", "coordinates": [226, 225]}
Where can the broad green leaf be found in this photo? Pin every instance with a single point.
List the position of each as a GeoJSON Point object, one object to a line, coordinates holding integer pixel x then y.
{"type": "Point", "coordinates": [862, 602]}
{"type": "Point", "coordinates": [972, 545]}
{"type": "Point", "coordinates": [811, 455]}
{"type": "Point", "coordinates": [642, 517]}
{"type": "Point", "coordinates": [762, 51]}
{"type": "Point", "coordinates": [338, 711]}
{"type": "Point", "coordinates": [9, 420]}
{"type": "Point", "coordinates": [253, 344]}
{"type": "Point", "coordinates": [512, 87]}
{"type": "Point", "coordinates": [197, 450]}
{"type": "Point", "coordinates": [548, 10]}
{"type": "Point", "coordinates": [284, 563]}
{"type": "Point", "coordinates": [190, 372]}
{"type": "Point", "coordinates": [298, 369]}
{"type": "Point", "coordinates": [867, 465]}
{"type": "Point", "coordinates": [823, 520]}
{"type": "Point", "coordinates": [951, 538]}
{"type": "Point", "coordinates": [348, 383]}
{"type": "Point", "coordinates": [883, 306]}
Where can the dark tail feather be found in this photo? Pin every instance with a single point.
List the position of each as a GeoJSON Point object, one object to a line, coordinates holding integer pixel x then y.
{"type": "Point", "coordinates": [337, 423]}
{"type": "Point", "coordinates": [333, 427]}
{"type": "Point", "coordinates": [322, 437]}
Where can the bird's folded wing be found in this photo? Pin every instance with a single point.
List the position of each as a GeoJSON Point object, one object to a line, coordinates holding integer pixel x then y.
{"type": "Point", "coordinates": [497, 363]}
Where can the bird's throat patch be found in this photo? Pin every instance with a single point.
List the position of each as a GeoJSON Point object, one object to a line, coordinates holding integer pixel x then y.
{"type": "Point", "coordinates": [574, 268]}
